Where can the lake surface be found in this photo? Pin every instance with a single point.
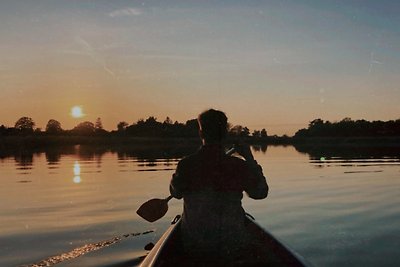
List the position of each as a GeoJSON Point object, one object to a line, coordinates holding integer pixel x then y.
{"type": "Point", "coordinates": [334, 207]}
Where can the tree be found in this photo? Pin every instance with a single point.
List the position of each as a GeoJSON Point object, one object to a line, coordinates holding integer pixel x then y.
{"type": "Point", "coordinates": [151, 120]}
{"type": "Point", "coordinates": [236, 130]}
{"type": "Point", "coordinates": [302, 133]}
{"type": "Point", "coordinates": [316, 127]}
{"type": "Point", "coordinates": [315, 123]}
{"type": "Point", "coordinates": [256, 134]}
{"type": "Point", "coordinates": [168, 121]}
{"type": "Point", "coordinates": [53, 127]}
{"type": "Point", "coordinates": [98, 124]}
{"type": "Point", "coordinates": [121, 126]}
{"type": "Point", "coordinates": [3, 130]}
{"type": "Point", "coordinates": [263, 133]}
{"type": "Point", "coordinates": [25, 124]}
{"type": "Point", "coordinates": [98, 127]}
{"type": "Point", "coordinates": [245, 132]}
{"type": "Point", "coordinates": [84, 128]}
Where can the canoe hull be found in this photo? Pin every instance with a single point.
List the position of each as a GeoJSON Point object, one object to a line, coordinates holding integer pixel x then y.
{"type": "Point", "coordinates": [264, 250]}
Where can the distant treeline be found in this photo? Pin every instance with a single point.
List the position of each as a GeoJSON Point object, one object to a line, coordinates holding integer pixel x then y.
{"type": "Point", "coordinates": [350, 128]}
{"type": "Point", "coordinates": [150, 127]}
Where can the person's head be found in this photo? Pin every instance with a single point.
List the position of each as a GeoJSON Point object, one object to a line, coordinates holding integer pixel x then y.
{"type": "Point", "coordinates": [213, 126]}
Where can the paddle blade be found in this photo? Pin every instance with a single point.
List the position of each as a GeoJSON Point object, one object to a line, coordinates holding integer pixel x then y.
{"type": "Point", "coordinates": [153, 209]}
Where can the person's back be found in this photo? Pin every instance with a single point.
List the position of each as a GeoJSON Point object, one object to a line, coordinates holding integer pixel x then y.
{"type": "Point", "coordinates": [212, 186]}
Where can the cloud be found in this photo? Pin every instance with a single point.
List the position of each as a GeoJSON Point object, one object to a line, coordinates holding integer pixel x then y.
{"type": "Point", "coordinates": [125, 12]}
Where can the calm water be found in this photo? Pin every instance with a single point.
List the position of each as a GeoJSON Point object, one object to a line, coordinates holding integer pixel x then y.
{"type": "Point", "coordinates": [335, 208]}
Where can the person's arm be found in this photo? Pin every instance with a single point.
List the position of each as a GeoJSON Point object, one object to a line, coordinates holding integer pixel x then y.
{"type": "Point", "coordinates": [256, 185]}
{"type": "Point", "coordinates": [176, 184]}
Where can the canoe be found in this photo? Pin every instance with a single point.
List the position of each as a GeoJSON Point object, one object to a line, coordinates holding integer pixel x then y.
{"type": "Point", "coordinates": [264, 250]}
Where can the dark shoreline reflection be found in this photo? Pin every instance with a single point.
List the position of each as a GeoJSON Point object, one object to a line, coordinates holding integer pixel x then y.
{"type": "Point", "coordinates": [349, 152]}
{"type": "Point", "coordinates": [24, 162]}
{"type": "Point", "coordinates": [263, 148]}
{"type": "Point", "coordinates": [360, 156]}
{"type": "Point", "coordinates": [148, 156]}
{"type": "Point", "coordinates": [53, 155]}
{"type": "Point", "coordinates": [154, 158]}
{"type": "Point", "coordinates": [167, 155]}
{"type": "Point", "coordinates": [154, 153]}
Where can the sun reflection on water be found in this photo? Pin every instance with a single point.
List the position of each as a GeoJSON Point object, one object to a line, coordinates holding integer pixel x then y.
{"type": "Point", "coordinates": [77, 172]}
{"type": "Point", "coordinates": [77, 179]}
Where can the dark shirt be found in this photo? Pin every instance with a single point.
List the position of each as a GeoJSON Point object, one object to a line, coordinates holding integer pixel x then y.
{"type": "Point", "coordinates": [212, 184]}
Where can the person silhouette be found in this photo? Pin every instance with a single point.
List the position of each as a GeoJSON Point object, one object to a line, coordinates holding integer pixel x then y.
{"type": "Point", "coordinates": [211, 184]}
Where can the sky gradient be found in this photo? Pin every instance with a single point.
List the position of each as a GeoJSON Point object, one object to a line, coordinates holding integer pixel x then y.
{"type": "Point", "coordinates": [267, 64]}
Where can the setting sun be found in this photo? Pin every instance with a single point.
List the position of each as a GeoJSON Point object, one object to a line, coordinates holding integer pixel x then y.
{"type": "Point", "coordinates": [76, 112]}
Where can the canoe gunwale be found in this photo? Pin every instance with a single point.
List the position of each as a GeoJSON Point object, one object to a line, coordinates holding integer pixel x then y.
{"type": "Point", "coordinates": [156, 251]}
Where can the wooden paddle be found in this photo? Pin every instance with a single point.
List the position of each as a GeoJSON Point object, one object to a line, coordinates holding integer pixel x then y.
{"type": "Point", "coordinates": [153, 209]}
{"type": "Point", "coordinates": [156, 208]}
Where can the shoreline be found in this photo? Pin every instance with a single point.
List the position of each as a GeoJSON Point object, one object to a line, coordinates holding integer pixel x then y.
{"type": "Point", "coordinates": [43, 142]}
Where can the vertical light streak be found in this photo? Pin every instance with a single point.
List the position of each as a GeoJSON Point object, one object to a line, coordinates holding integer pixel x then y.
{"type": "Point", "coordinates": [77, 172]}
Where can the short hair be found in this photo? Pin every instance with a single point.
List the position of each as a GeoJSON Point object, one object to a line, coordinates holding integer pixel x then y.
{"type": "Point", "coordinates": [213, 124]}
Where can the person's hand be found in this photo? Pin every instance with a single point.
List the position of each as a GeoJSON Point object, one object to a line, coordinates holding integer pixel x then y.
{"type": "Point", "coordinates": [244, 151]}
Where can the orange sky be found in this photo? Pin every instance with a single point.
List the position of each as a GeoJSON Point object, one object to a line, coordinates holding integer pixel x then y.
{"type": "Point", "coordinates": [267, 65]}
